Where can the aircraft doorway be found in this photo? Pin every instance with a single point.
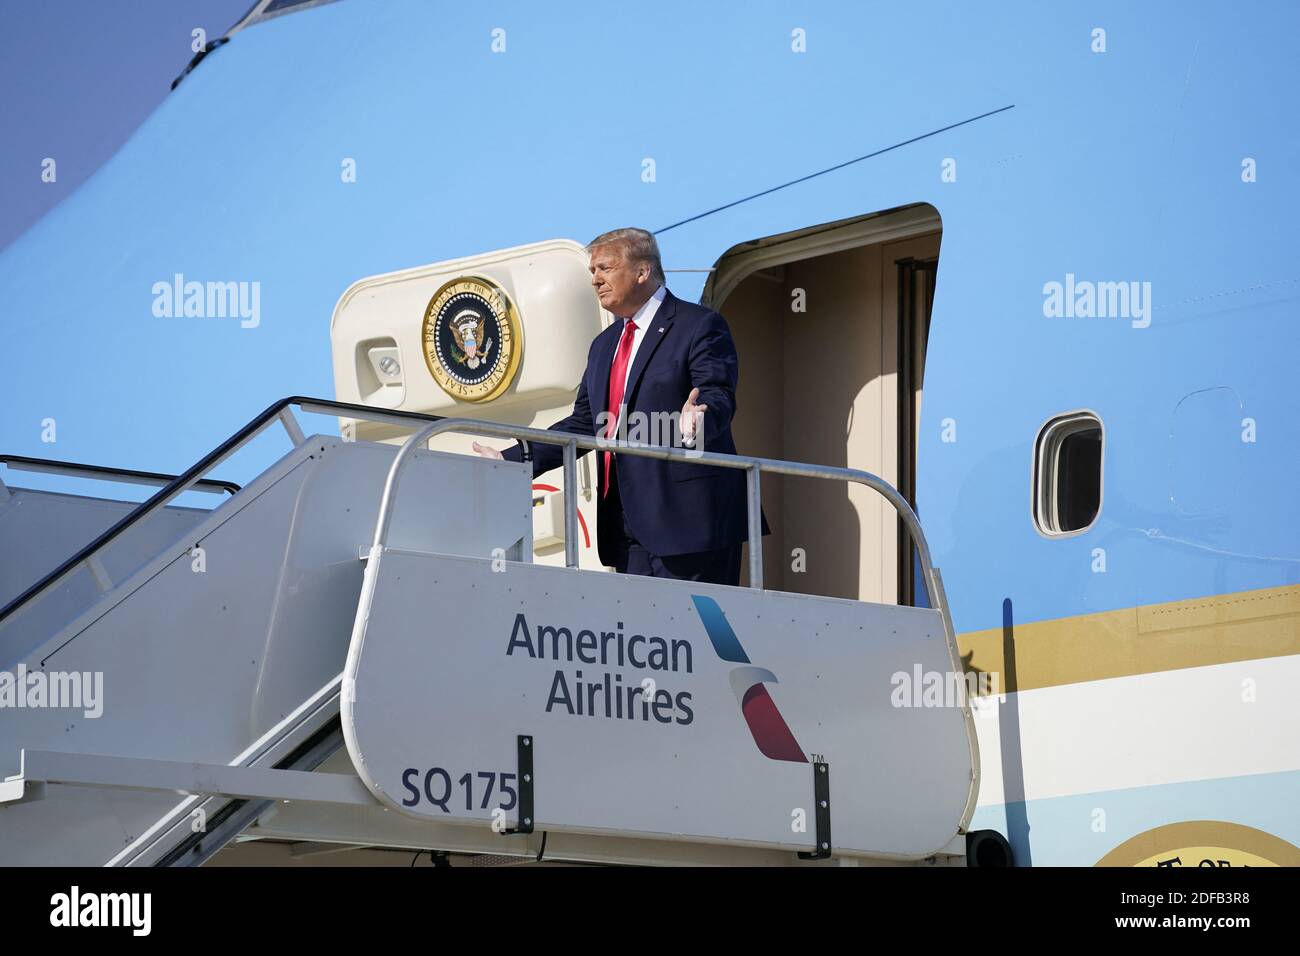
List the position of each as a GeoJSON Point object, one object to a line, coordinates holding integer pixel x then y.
{"type": "Point", "coordinates": [831, 325]}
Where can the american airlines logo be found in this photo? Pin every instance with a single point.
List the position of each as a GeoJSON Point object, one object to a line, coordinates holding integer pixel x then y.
{"type": "Point", "coordinates": [770, 732]}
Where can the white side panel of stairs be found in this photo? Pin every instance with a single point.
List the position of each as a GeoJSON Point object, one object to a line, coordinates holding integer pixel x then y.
{"type": "Point", "coordinates": [41, 529]}
{"type": "Point", "coordinates": [196, 665]}
{"type": "Point", "coordinates": [654, 709]}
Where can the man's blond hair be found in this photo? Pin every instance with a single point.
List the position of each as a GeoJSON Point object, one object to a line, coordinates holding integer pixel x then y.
{"type": "Point", "coordinates": [636, 246]}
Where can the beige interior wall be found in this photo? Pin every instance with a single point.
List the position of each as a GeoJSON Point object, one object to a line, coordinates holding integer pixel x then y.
{"type": "Point", "coordinates": [760, 398]}
{"type": "Point", "coordinates": [820, 386]}
{"type": "Point", "coordinates": [921, 247]}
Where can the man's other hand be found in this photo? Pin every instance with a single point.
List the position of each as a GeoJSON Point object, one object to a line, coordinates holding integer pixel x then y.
{"type": "Point", "coordinates": [692, 417]}
{"type": "Point", "coordinates": [487, 452]}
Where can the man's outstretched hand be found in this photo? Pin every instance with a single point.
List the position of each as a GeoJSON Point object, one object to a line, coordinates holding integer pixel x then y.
{"type": "Point", "coordinates": [692, 417]}
{"type": "Point", "coordinates": [692, 422]}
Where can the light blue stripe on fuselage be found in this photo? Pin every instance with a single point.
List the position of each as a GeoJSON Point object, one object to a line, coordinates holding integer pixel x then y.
{"type": "Point", "coordinates": [1058, 831]}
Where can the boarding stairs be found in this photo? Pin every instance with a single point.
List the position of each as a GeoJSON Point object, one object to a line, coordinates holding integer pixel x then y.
{"type": "Point", "coordinates": [357, 648]}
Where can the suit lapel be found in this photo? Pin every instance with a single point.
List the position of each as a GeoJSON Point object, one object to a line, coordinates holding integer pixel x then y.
{"type": "Point", "coordinates": [659, 326]}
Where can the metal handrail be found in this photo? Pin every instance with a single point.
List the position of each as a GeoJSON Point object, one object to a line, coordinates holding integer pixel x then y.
{"type": "Point", "coordinates": [752, 467]}
{"type": "Point", "coordinates": [130, 476]}
{"type": "Point", "coordinates": [280, 411]}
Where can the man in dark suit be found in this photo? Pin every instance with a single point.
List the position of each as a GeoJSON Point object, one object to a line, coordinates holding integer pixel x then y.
{"type": "Point", "coordinates": [663, 360]}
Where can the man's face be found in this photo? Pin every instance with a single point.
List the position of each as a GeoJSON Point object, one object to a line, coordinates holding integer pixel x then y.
{"type": "Point", "coordinates": [619, 284]}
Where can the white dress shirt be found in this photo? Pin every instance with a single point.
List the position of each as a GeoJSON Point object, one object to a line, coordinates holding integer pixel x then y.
{"type": "Point", "coordinates": [643, 317]}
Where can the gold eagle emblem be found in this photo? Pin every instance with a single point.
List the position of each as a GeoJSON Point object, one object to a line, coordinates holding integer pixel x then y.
{"type": "Point", "coordinates": [467, 328]}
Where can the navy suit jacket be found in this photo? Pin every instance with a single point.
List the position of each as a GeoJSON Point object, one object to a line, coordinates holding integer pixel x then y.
{"type": "Point", "coordinates": [671, 507]}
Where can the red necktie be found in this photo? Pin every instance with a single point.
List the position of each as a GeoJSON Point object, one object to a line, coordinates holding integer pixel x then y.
{"type": "Point", "coordinates": [617, 380]}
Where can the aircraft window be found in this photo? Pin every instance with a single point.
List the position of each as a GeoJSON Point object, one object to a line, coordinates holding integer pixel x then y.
{"type": "Point", "coordinates": [1067, 474]}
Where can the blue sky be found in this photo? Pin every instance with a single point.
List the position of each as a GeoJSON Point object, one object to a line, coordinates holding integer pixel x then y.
{"type": "Point", "coordinates": [78, 77]}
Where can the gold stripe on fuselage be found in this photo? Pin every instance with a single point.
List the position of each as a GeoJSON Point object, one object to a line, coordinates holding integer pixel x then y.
{"type": "Point", "coordinates": [1147, 639]}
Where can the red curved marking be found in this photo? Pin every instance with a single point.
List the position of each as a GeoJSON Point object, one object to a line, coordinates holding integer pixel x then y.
{"type": "Point", "coordinates": [586, 538]}
{"type": "Point", "coordinates": [768, 727]}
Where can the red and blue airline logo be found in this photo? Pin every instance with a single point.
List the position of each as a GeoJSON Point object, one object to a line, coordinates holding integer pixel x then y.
{"type": "Point", "coordinates": [766, 724]}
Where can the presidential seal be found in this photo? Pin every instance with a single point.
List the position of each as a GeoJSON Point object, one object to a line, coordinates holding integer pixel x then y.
{"type": "Point", "coordinates": [471, 339]}
{"type": "Point", "coordinates": [1207, 843]}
